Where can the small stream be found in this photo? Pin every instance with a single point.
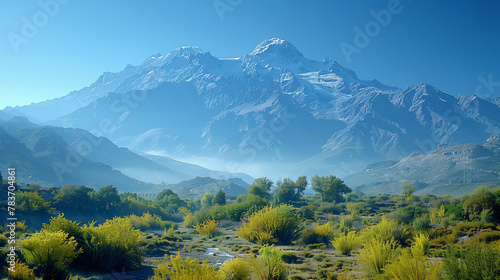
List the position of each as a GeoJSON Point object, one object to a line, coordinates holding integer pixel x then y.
{"type": "Point", "coordinates": [221, 256]}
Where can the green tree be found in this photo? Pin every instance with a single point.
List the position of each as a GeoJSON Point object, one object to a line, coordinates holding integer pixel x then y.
{"type": "Point", "coordinates": [475, 204]}
{"type": "Point", "coordinates": [330, 188]}
{"type": "Point", "coordinates": [31, 202]}
{"type": "Point", "coordinates": [482, 190]}
{"type": "Point", "coordinates": [107, 199]}
{"type": "Point", "coordinates": [75, 198]}
{"type": "Point", "coordinates": [261, 187]}
{"type": "Point", "coordinates": [219, 198]}
{"type": "Point", "coordinates": [169, 200]}
{"type": "Point", "coordinates": [408, 191]}
{"type": "Point", "coordinates": [51, 252]}
{"type": "Point", "coordinates": [206, 201]}
{"type": "Point", "coordinates": [289, 190]}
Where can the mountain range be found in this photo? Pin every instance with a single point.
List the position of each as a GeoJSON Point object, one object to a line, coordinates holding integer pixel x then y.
{"type": "Point", "coordinates": [55, 156]}
{"type": "Point", "coordinates": [272, 112]}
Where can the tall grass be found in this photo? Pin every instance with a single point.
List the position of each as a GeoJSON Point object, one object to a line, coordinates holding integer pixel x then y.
{"type": "Point", "coordinates": [421, 245]}
{"type": "Point", "coordinates": [346, 242]}
{"type": "Point", "coordinates": [376, 254]}
{"type": "Point", "coordinates": [408, 266]}
{"type": "Point", "coordinates": [269, 265]}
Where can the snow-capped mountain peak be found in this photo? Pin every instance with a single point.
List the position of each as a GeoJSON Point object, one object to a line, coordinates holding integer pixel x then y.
{"type": "Point", "coordinates": [277, 48]}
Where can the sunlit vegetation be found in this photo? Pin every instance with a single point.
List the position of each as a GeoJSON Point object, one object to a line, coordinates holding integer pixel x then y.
{"type": "Point", "coordinates": [273, 232]}
{"type": "Point", "coordinates": [272, 225]}
{"type": "Point", "coordinates": [184, 269]}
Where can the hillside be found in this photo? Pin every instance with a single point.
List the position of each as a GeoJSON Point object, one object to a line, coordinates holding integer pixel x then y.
{"type": "Point", "coordinates": [195, 188]}
{"type": "Point", "coordinates": [454, 170]}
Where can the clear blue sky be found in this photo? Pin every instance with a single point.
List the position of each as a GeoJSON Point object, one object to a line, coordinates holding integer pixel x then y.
{"type": "Point", "coordinates": [448, 44]}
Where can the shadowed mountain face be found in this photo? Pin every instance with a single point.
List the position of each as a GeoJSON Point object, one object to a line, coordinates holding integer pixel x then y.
{"type": "Point", "coordinates": [272, 108]}
{"type": "Point", "coordinates": [56, 156]}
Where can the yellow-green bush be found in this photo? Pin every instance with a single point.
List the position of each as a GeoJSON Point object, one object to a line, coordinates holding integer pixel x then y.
{"type": "Point", "coordinates": [271, 225]}
{"type": "Point", "coordinates": [421, 245]}
{"type": "Point", "coordinates": [208, 228]}
{"type": "Point", "coordinates": [319, 234]}
{"type": "Point", "coordinates": [184, 269]}
{"type": "Point", "coordinates": [235, 269]}
{"type": "Point", "coordinates": [51, 252]}
{"type": "Point", "coordinates": [115, 244]}
{"type": "Point", "coordinates": [21, 226]}
{"type": "Point", "coordinates": [148, 221]}
{"type": "Point", "coordinates": [376, 254]}
{"type": "Point", "coordinates": [21, 272]}
{"type": "Point", "coordinates": [269, 265]}
{"type": "Point", "coordinates": [382, 230]}
{"type": "Point", "coordinates": [408, 266]}
{"type": "Point", "coordinates": [387, 230]}
{"type": "Point", "coordinates": [346, 242]}
{"type": "Point", "coordinates": [72, 228]}
{"type": "Point", "coordinates": [190, 220]}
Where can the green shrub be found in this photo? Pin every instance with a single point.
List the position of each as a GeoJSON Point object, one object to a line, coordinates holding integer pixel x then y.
{"type": "Point", "coordinates": [475, 204]}
{"type": "Point", "coordinates": [387, 230]}
{"type": "Point", "coordinates": [72, 228]}
{"type": "Point", "coordinates": [472, 263]}
{"type": "Point", "coordinates": [347, 223]}
{"type": "Point", "coordinates": [271, 225]}
{"type": "Point", "coordinates": [184, 269]}
{"type": "Point", "coordinates": [483, 237]}
{"type": "Point", "coordinates": [51, 252]}
{"type": "Point", "coordinates": [114, 244]}
{"type": "Point", "coordinates": [289, 257]}
{"type": "Point", "coordinates": [190, 220]}
{"type": "Point", "coordinates": [208, 228]}
{"type": "Point", "coordinates": [269, 265]}
{"type": "Point", "coordinates": [21, 272]}
{"type": "Point", "coordinates": [345, 243]}
{"type": "Point", "coordinates": [235, 269]}
{"type": "Point", "coordinates": [376, 254]}
{"type": "Point", "coordinates": [422, 223]}
{"type": "Point", "coordinates": [332, 208]}
{"type": "Point", "coordinates": [308, 212]}
{"type": "Point", "coordinates": [3, 240]}
{"type": "Point", "coordinates": [486, 216]}
{"type": "Point", "coordinates": [149, 221]}
{"type": "Point", "coordinates": [31, 202]}
{"type": "Point", "coordinates": [319, 234]}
